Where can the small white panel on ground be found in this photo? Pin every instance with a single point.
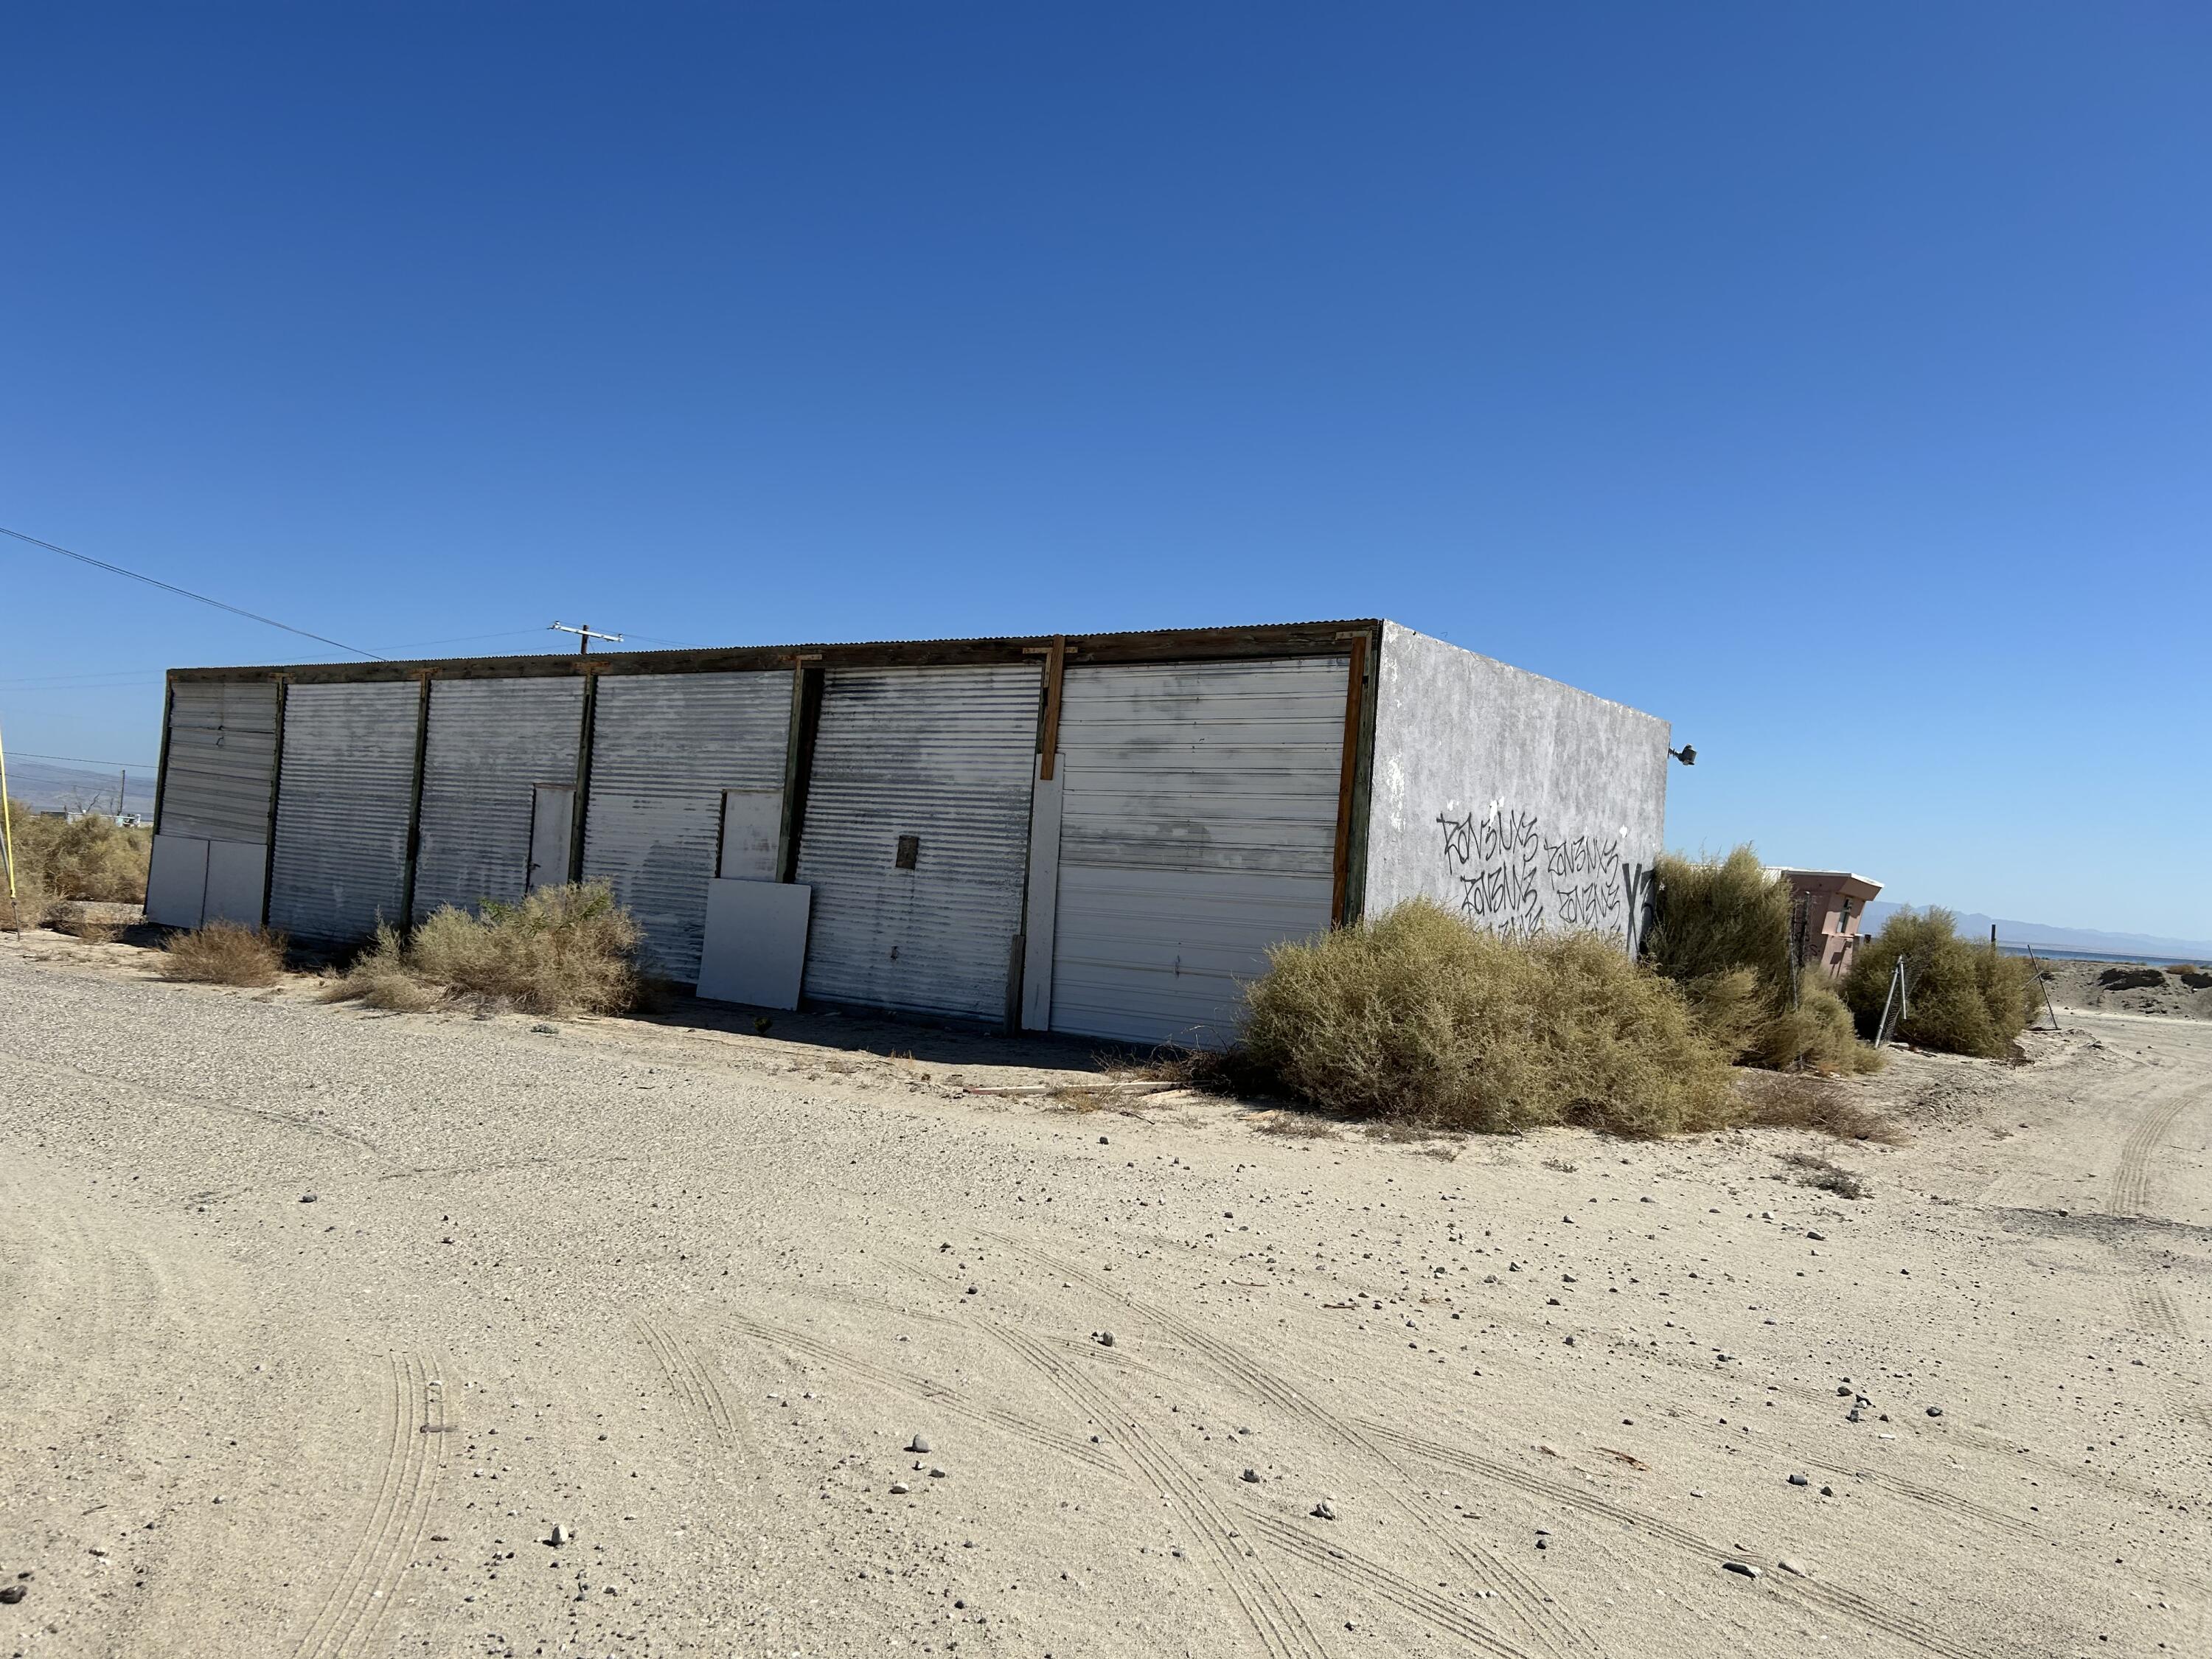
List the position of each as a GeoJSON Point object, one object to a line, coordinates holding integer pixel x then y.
{"type": "Point", "coordinates": [176, 881]}
{"type": "Point", "coordinates": [755, 949]}
{"type": "Point", "coordinates": [235, 872]}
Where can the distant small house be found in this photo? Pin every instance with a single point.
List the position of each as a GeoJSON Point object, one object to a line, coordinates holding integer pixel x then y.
{"type": "Point", "coordinates": [1834, 906]}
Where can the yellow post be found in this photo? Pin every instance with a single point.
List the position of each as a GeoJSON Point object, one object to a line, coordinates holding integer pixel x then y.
{"type": "Point", "coordinates": [7, 844]}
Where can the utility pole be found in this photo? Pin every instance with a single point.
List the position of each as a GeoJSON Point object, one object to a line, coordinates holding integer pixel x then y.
{"type": "Point", "coordinates": [585, 636]}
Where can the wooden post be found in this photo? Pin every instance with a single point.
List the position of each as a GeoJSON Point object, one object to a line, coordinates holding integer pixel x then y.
{"type": "Point", "coordinates": [581, 800]}
{"type": "Point", "coordinates": [798, 761]}
{"type": "Point", "coordinates": [276, 792]}
{"type": "Point", "coordinates": [1347, 773]}
{"type": "Point", "coordinates": [415, 809]}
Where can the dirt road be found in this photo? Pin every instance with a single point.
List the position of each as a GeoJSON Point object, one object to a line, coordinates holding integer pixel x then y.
{"type": "Point", "coordinates": [320, 1322]}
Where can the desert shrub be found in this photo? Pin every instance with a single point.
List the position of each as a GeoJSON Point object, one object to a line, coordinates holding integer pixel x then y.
{"type": "Point", "coordinates": [380, 977]}
{"type": "Point", "coordinates": [94, 857]}
{"type": "Point", "coordinates": [1816, 1035]}
{"type": "Point", "coordinates": [1416, 1018]}
{"type": "Point", "coordinates": [224, 953]}
{"type": "Point", "coordinates": [567, 950]}
{"type": "Point", "coordinates": [2131, 978]}
{"type": "Point", "coordinates": [2195, 978]}
{"type": "Point", "coordinates": [1967, 999]}
{"type": "Point", "coordinates": [1797, 1101]}
{"type": "Point", "coordinates": [1715, 915]}
{"type": "Point", "coordinates": [1723, 934]}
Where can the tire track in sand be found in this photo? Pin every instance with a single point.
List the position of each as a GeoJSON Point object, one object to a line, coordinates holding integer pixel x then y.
{"type": "Point", "coordinates": [935, 1395]}
{"type": "Point", "coordinates": [2129, 1190]}
{"type": "Point", "coordinates": [1268, 1610]}
{"type": "Point", "coordinates": [1832, 1597]}
{"type": "Point", "coordinates": [414, 1419]}
{"type": "Point", "coordinates": [693, 1377]}
{"type": "Point", "coordinates": [1547, 1623]}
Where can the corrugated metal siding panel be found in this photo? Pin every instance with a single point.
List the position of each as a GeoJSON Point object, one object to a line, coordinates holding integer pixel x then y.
{"type": "Point", "coordinates": [342, 804]}
{"type": "Point", "coordinates": [663, 748]}
{"type": "Point", "coordinates": [490, 744]}
{"type": "Point", "coordinates": [946, 754]}
{"type": "Point", "coordinates": [222, 753]}
{"type": "Point", "coordinates": [1198, 828]}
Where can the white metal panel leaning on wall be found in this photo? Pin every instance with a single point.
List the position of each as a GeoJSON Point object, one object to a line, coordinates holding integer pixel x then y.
{"type": "Point", "coordinates": [944, 756]}
{"type": "Point", "coordinates": [488, 745]}
{"type": "Point", "coordinates": [1199, 814]}
{"type": "Point", "coordinates": [665, 748]}
{"type": "Point", "coordinates": [344, 790]}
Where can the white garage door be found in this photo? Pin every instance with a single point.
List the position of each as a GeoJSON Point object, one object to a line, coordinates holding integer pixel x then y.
{"type": "Point", "coordinates": [916, 837]}
{"type": "Point", "coordinates": [1198, 828]}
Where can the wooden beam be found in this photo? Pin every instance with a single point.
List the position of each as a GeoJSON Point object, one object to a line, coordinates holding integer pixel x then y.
{"type": "Point", "coordinates": [1055, 665]}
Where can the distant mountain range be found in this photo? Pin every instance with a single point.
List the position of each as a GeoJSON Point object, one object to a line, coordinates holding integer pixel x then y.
{"type": "Point", "coordinates": [47, 787]}
{"type": "Point", "coordinates": [1974, 925]}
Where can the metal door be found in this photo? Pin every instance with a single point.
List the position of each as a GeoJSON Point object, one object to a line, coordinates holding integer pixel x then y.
{"type": "Point", "coordinates": [916, 835]}
{"type": "Point", "coordinates": [344, 795]}
{"type": "Point", "coordinates": [489, 746]}
{"type": "Point", "coordinates": [552, 823]}
{"type": "Point", "coordinates": [1197, 827]}
{"type": "Point", "coordinates": [666, 748]}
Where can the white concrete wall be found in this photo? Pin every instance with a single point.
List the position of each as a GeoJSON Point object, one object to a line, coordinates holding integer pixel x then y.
{"type": "Point", "coordinates": [1522, 804]}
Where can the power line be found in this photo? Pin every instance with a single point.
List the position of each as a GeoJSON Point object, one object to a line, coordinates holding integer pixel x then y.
{"type": "Point", "coordinates": [86, 760]}
{"type": "Point", "coordinates": [186, 592]}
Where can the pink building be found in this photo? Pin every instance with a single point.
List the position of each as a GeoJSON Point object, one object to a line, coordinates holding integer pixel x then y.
{"type": "Point", "coordinates": [1835, 906]}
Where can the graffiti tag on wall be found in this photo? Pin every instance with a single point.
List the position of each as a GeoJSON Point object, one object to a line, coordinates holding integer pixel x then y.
{"type": "Point", "coordinates": [1514, 879]}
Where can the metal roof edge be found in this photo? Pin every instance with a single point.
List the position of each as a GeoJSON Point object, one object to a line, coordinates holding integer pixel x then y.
{"type": "Point", "coordinates": [1147, 645]}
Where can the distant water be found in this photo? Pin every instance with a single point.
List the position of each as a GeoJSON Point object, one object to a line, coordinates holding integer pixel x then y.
{"type": "Point", "coordinates": [2053, 953]}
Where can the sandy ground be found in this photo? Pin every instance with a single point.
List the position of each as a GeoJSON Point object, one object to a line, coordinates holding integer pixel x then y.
{"type": "Point", "coordinates": [689, 1295]}
{"type": "Point", "coordinates": [2184, 991]}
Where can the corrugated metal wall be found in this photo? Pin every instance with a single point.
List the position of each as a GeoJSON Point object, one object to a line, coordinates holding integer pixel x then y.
{"type": "Point", "coordinates": [1198, 826]}
{"type": "Point", "coordinates": [222, 754]}
{"type": "Point", "coordinates": [490, 743]}
{"type": "Point", "coordinates": [944, 755]}
{"type": "Point", "coordinates": [663, 748]}
{"type": "Point", "coordinates": [341, 807]}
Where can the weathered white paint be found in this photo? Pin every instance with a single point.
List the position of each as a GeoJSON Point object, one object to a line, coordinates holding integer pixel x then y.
{"type": "Point", "coordinates": [665, 748]}
{"type": "Point", "coordinates": [755, 949]}
{"type": "Point", "coordinates": [1041, 911]}
{"type": "Point", "coordinates": [236, 872]}
{"type": "Point", "coordinates": [490, 744]}
{"type": "Point", "coordinates": [1198, 828]}
{"type": "Point", "coordinates": [176, 881]}
{"type": "Point", "coordinates": [1520, 803]}
{"type": "Point", "coordinates": [945, 755]}
{"type": "Point", "coordinates": [348, 778]}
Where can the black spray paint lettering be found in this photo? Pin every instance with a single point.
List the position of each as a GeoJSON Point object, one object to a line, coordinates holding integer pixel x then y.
{"type": "Point", "coordinates": [1514, 880]}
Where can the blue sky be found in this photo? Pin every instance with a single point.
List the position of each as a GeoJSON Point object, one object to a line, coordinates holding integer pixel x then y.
{"type": "Point", "coordinates": [1832, 381]}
